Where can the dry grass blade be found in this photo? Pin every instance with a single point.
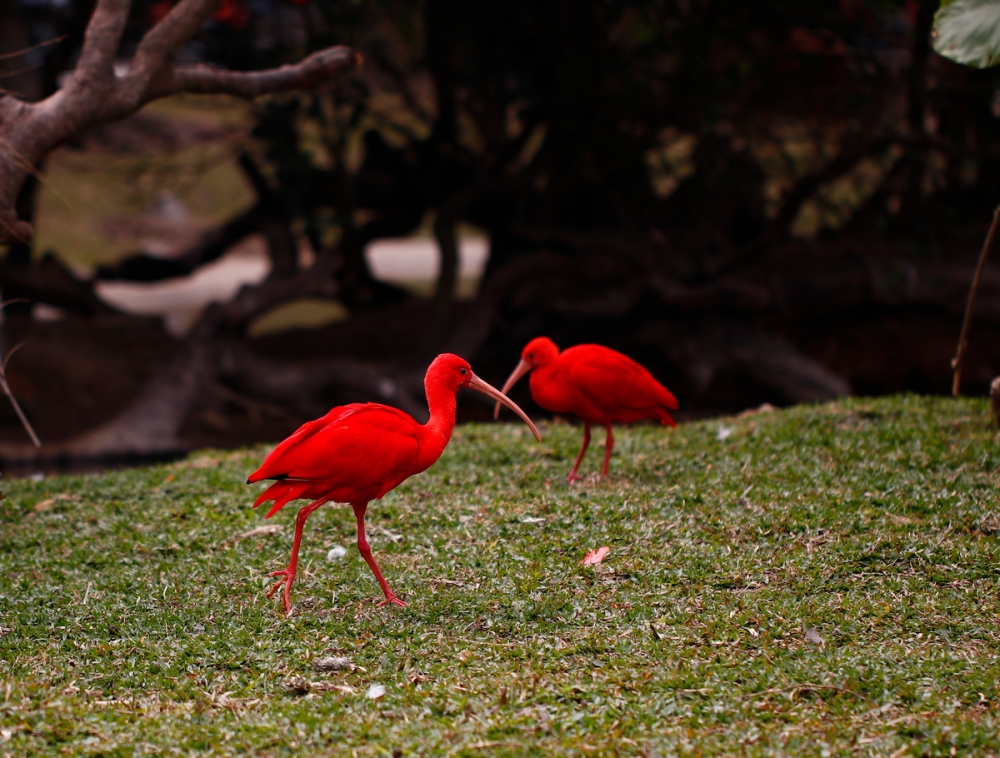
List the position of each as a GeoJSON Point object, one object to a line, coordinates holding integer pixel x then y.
{"type": "Point", "coordinates": [19, 159]}
{"type": "Point", "coordinates": [26, 50]}
{"type": "Point", "coordinates": [795, 689]}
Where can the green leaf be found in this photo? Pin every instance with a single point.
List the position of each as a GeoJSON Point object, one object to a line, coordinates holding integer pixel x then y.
{"type": "Point", "coordinates": [968, 31]}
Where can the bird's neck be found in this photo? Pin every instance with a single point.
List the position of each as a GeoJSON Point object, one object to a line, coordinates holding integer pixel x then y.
{"type": "Point", "coordinates": [442, 405]}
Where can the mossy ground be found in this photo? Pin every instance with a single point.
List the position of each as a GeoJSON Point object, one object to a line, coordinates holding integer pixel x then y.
{"type": "Point", "coordinates": [820, 580]}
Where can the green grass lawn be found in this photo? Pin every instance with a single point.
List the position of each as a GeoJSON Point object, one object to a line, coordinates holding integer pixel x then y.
{"type": "Point", "coordinates": [823, 580]}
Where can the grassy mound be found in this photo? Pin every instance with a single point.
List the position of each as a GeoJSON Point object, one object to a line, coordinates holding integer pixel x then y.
{"type": "Point", "coordinates": [817, 580]}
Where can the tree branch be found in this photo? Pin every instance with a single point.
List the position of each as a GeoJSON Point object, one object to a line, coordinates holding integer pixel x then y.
{"type": "Point", "coordinates": [162, 42]}
{"type": "Point", "coordinates": [845, 162]}
{"type": "Point", "coordinates": [203, 79]}
{"type": "Point", "coordinates": [28, 131]}
{"type": "Point", "coordinates": [100, 42]}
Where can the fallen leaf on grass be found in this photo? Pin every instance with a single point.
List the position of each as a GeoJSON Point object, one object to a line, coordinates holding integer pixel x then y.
{"type": "Point", "coordinates": [203, 462]}
{"type": "Point", "coordinates": [344, 689]}
{"type": "Point", "coordinates": [260, 531]}
{"type": "Point", "coordinates": [375, 692]}
{"type": "Point", "coordinates": [44, 506]}
{"type": "Point", "coordinates": [333, 664]}
{"type": "Point", "coordinates": [391, 536]}
{"type": "Point", "coordinates": [297, 685]}
{"type": "Point", "coordinates": [762, 408]}
{"type": "Point", "coordinates": [595, 556]}
{"type": "Point", "coordinates": [813, 636]}
{"type": "Point", "coordinates": [234, 704]}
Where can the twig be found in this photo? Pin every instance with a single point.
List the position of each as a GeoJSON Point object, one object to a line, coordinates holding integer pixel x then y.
{"type": "Point", "coordinates": [963, 339]}
{"type": "Point", "coordinates": [6, 387]}
{"type": "Point", "coordinates": [18, 71]}
{"type": "Point", "coordinates": [26, 50]}
{"type": "Point", "coordinates": [17, 408]}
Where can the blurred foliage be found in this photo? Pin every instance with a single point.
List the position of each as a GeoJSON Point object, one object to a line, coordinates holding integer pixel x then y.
{"type": "Point", "coordinates": [699, 120]}
{"type": "Point", "coordinates": [705, 124]}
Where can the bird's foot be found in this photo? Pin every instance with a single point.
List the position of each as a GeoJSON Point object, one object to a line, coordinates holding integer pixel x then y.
{"type": "Point", "coordinates": [392, 600]}
{"type": "Point", "coordinates": [289, 577]}
{"type": "Point", "coordinates": [574, 477]}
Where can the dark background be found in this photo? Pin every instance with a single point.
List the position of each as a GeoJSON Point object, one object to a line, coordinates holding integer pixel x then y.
{"type": "Point", "coordinates": [774, 201]}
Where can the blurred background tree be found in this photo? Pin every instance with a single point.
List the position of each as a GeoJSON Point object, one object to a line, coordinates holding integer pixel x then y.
{"type": "Point", "coordinates": [776, 201]}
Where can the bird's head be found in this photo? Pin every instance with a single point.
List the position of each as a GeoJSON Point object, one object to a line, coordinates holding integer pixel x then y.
{"type": "Point", "coordinates": [539, 352]}
{"type": "Point", "coordinates": [451, 373]}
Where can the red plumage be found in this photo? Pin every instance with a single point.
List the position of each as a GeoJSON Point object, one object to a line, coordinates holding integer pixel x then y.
{"type": "Point", "coordinates": [356, 453]}
{"type": "Point", "coordinates": [598, 384]}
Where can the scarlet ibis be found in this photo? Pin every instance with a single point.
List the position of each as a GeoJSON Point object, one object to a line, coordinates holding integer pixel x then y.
{"type": "Point", "coordinates": [356, 453]}
{"type": "Point", "coordinates": [598, 384]}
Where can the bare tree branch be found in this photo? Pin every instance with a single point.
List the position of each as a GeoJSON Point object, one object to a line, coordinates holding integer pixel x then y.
{"type": "Point", "coordinates": [100, 43]}
{"type": "Point", "coordinates": [28, 131]}
{"type": "Point", "coordinates": [160, 45]}
{"type": "Point", "coordinates": [203, 79]}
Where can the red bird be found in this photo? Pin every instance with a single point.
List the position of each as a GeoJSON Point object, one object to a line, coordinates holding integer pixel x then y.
{"type": "Point", "coordinates": [598, 384]}
{"type": "Point", "coordinates": [358, 452]}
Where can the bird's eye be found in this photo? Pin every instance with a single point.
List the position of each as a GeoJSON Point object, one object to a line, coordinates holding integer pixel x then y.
{"type": "Point", "coordinates": [462, 371]}
{"type": "Point", "coordinates": [531, 356]}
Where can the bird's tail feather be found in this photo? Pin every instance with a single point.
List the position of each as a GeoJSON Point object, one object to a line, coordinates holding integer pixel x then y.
{"type": "Point", "coordinates": [665, 418]}
{"type": "Point", "coordinates": [281, 493]}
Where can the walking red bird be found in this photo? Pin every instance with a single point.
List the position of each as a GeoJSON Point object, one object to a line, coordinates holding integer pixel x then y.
{"type": "Point", "coordinates": [598, 384]}
{"type": "Point", "coordinates": [356, 453]}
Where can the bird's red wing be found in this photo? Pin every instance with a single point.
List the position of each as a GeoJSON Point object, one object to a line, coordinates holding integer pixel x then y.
{"type": "Point", "coordinates": [615, 383]}
{"type": "Point", "coordinates": [366, 450]}
{"type": "Point", "coordinates": [275, 465]}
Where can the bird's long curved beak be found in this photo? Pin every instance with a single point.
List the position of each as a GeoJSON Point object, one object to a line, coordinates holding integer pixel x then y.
{"type": "Point", "coordinates": [479, 385]}
{"type": "Point", "coordinates": [522, 368]}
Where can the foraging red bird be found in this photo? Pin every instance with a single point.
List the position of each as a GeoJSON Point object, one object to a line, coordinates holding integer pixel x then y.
{"type": "Point", "coordinates": [356, 453]}
{"type": "Point", "coordinates": [598, 384]}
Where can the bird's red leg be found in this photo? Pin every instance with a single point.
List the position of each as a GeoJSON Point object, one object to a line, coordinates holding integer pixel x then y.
{"type": "Point", "coordinates": [586, 441]}
{"type": "Point", "coordinates": [366, 553]}
{"type": "Point", "coordinates": [289, 573]}
{"type": "Point", "coordinates": [609, 444]}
